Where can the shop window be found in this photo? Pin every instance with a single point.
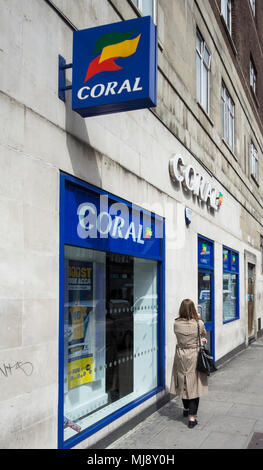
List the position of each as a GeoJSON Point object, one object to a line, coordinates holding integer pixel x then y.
{"type": "Point", "coordinates": [203, 63]}
{"type": "Point", "coordinates": [110, 343]}
{"type": "Point", "coordinates": [227, 116]}
{"type": "Point", "coordinates": [254, 161]}
{"type": "Point", "coordinates": [226, 12]}
{"type": "Point", "coordinates": [147, 7]}
{"type": "Point", "coordinates": [111, 355]}
{"type": "Point", "coordinates": [230, 285]}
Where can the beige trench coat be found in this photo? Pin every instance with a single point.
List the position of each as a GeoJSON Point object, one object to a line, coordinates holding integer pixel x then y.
{"type": "Point", "coordinates": [186, 381]}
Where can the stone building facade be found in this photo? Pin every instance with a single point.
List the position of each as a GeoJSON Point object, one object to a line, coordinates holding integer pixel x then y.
{"type": "Point", "coordinates": [210, 122]}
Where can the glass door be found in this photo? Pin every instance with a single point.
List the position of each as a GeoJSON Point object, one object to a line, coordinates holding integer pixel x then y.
{"type": "Point", "coordinates": [206, 288]}
{"type": "Point", "coordinates": [250, 296]}
{"type": "Point", "coordinates": [205, 303]}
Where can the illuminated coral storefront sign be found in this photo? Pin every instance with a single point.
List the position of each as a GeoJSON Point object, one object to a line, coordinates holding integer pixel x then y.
{"type": "Point", "coordinates": [115, 67]}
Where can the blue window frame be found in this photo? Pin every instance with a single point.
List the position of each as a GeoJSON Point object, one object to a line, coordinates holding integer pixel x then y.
{"type": "Point", "coordinates": [118, 258]}
{"type": "Point", "coordinates": [230, 285]}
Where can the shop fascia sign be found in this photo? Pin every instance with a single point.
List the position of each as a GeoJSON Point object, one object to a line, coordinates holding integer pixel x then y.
{"type": "Point", "coordinates": [102, 221]}
{"type": "Point", "coordinates": [114, 68]}
{"type": "Point", "coordinates": [91, 223]}
{"type": "Point", "coordinates": [115, 220]}
{"type": "Point", "coordinates": [193, 181]}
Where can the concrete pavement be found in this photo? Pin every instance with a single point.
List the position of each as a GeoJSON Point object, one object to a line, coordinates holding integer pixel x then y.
{"type": "Point", "coordinates": [229, 416]}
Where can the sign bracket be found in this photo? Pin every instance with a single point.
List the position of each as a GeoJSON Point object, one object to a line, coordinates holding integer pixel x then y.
{"type": "Point", "coordinates": [62, 87]}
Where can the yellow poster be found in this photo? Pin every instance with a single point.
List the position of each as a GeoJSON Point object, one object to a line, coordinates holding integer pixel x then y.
{"type": "Point", "coordinates": [80, 371]}
{"type": "Point", "coordinates": [77, 320]}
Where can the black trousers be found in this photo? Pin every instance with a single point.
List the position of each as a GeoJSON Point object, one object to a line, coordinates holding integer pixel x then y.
{"type": "Point", "coordinates": [191, 405]}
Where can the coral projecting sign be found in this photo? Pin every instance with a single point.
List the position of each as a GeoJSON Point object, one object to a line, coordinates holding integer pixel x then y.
{"type": "Point", "coordinates": [115, 67]}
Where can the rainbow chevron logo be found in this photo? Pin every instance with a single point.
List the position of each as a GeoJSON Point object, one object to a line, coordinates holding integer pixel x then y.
{"type": "Point", "coordinates": [110, 47]}
{"type": "Point", "coordinates": [220, 199]}
{"type": "Point", "coordinates": [204, 248]}
{"type": "Point", "coordinates": [148, 233]}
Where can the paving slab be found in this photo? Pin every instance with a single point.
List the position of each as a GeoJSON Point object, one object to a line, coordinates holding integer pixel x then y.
{"type": "Point", "coordinates": [172, 439]}
{"type": "Point", "coordinates": [247, 411]}
{"type": "Point", "coordinates": [223, 440]}
{"type": "Point", "coordinates": [232, 424]}
{"type": "Point", "coordinates": [229, 417]}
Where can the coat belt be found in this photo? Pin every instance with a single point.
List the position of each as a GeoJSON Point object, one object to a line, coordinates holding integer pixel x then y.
{"type": "Point", "coordinates": [187, 347]}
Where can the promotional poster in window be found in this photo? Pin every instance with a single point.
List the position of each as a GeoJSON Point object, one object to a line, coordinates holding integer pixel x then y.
{"type": "Point", "coordinates": [80, 304]}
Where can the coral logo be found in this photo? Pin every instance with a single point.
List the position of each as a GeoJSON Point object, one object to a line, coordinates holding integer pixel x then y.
{"type": "Point", "coordinates": [233, 259]}
{"type": "Point", "coordinates": [225, 256]}
{"type": "Point", "coordinates": [110, 47]}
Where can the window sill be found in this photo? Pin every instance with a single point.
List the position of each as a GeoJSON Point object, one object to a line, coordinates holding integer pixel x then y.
{"type": "Point", "coordinates": [230, 321]}
{"type": "Point", "coordinates": [228, 34]}
{"type": "Point", "coordinates": [205, 113]}
{"type": "Point", "coordinates": [229, 148]}
{"type": "Point", "coordinates": [255, 180]}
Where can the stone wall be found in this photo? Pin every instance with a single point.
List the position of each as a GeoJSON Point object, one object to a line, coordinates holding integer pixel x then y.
{"type": "Point", "coordinates": [126, 154]}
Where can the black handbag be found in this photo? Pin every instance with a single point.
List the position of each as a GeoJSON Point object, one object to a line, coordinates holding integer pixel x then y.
{"type": "Point", "coordinates": [205, 362]}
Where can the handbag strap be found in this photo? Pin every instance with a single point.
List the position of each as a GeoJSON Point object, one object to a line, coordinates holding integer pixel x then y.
{"type": "Point", "coordinates": [199, 338]}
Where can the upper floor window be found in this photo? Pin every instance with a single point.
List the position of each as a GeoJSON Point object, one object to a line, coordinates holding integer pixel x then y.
{"type": "Point", "coordinates": [228, 116]}
{"type": "Point", "coordinates": [253, 6]}
{"type": "Point", "coordinates": [203, 62]}
{"type": "Point", "coordinates": [253, 77]}
{"type": "Point", "coordinates": [147, 7]}
{"type": "Point", "coordinates": [254, 161]}
{"type": "Point", "coordinates": [226, 11]}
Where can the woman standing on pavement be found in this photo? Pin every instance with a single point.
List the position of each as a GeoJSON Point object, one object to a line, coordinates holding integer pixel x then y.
{"type": "Point", "coordinates": [186, 381]}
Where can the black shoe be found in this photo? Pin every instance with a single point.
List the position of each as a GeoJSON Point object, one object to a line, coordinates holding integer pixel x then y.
{"type": "Point", "coordinates": [192, 424]}
{"type": "Point", "coordinates": [185, 412]}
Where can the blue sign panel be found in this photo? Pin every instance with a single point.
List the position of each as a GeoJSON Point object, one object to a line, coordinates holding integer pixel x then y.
{"type": "Point", "coordinates": [100, 221]}
{"type": "Point", "coordinates": [234, 262]}
{"type": "Point", "coordinates": [205, 253]}
{"type": "Point", "coordinates": [115, 67]}
{"type": "Point", "coordinates": [226, 259]}
{"type": "Point", "coordinates": [230, 260]}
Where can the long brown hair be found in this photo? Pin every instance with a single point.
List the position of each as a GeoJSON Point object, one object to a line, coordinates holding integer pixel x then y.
{"type": "Point", "coordinates": [187, 310]}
